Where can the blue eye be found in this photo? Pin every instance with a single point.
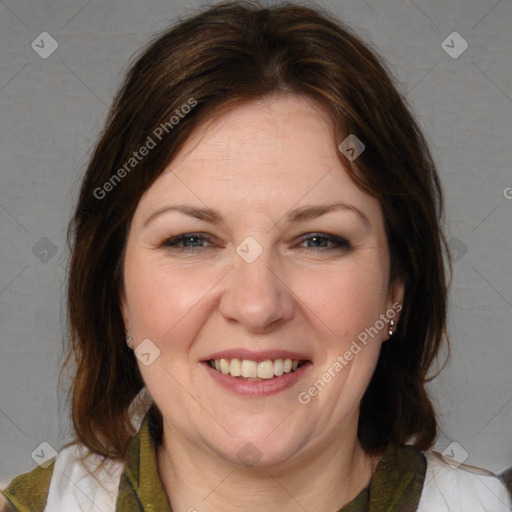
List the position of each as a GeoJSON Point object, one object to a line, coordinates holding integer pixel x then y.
{"type": "Point", "coordinates": [325, 242]}
{"type": "Point", "coordinates": [188, 242]}
{"type": "Point", "coordinates": [196, 242]}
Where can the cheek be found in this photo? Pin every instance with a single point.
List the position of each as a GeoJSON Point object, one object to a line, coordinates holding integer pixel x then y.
{"type": "Point", "coordinates": [164, 301]}
{"type": "Point", "coordinates": [345, 297]}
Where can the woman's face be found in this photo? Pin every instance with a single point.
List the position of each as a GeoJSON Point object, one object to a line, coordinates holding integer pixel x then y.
{"type": "Point", "coordinates": [255, 246]}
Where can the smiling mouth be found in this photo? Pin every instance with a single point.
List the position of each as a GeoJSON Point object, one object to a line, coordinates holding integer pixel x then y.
{"type": "Point", "coordinates": [246, 369]}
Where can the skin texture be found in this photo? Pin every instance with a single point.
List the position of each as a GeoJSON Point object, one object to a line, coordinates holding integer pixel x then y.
{"type": "Point", "coordinates": [253, 165]}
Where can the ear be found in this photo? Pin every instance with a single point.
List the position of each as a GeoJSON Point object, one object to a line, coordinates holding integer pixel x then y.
{"type": "Point", "coordinates": [123, 306]}
{"type": "Point", "coordinates": [395, 303]}
{"type": "Point", "coordinates": [396, 293]}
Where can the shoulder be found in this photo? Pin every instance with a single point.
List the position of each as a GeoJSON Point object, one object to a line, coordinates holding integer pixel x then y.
{"type": "Point", "coordinates": [28, 491]}
{"type": "Point", "coordinates": [74, 481]}
{"type": "Point", "coordinates": [449, 488]}
{"type": "Point", "coordinates": [506, 478]}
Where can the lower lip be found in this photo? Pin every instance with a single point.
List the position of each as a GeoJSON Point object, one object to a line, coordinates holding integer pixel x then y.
{"type": "Point", "coordinates": [260, 387]}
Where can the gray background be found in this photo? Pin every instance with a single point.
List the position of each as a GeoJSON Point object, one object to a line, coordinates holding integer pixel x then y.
{"type": "Point", "coordinates": [52, 110]}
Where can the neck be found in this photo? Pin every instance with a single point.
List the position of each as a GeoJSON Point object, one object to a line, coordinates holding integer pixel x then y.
{"type": "Point", "coordinates": [323, 480]}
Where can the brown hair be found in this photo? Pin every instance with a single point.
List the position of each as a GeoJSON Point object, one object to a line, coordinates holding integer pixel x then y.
{"type": "Point", "coordinates": [222, 57]}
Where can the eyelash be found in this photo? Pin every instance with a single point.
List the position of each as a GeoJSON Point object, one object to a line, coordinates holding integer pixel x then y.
{"type": "Point", "coordinates": [174, 243]}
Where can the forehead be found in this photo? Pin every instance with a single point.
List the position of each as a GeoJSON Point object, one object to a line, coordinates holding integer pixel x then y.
{"type": "Point", "coordinates": [271, 153]}
{"type": "Point", "coordinates": [264, 132]}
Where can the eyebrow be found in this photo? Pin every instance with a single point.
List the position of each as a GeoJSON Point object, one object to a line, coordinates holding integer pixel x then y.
{"type": "Point", "coordinates": [312, 212]}
{"type": "Point", "coordinates": [293, 217]}
{"type": "Point", "coordinates": [206, 214]}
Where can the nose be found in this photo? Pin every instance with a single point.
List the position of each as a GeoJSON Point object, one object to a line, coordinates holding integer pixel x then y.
{"type": "Point", "coordinates": [256, 296]}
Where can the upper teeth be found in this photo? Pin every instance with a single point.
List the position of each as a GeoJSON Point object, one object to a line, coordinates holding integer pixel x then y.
{"type": "Point", "coordinates": [246, 368]}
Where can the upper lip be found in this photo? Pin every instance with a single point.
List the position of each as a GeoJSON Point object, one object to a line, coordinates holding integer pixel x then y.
{"type": "Point", "coordinates": [241, 353]}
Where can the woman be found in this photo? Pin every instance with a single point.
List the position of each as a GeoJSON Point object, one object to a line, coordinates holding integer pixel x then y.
{"type": "Point", "coordinates": [257, 289]}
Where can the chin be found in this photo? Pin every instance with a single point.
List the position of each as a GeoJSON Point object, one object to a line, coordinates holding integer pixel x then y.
{"type": "Point", "coordinates": [258, 451]}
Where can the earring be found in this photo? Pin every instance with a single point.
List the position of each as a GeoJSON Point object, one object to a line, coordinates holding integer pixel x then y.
{"type": "Point", "coordinates": [129, 340]}
{"type": "Point", "coordinates": [391, 325]}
